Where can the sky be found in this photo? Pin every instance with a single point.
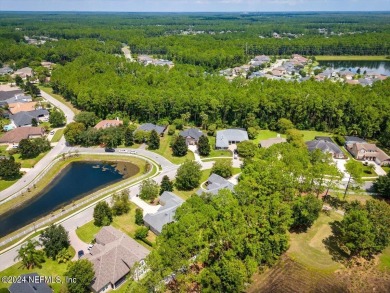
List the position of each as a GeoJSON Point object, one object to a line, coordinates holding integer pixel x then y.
{"type": "Point", "coordinates": [194, 5]}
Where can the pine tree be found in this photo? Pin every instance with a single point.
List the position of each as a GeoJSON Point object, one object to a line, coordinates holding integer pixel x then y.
{"type": "Point", "coordinates": [154, 141]}
{"type": "Point", "coordinates": [179, 148]}
{"type": "Point", "coordinates": [204, 146]}
{"type": "Point", "coordinates": [166, 185]}
{"type": "Point", "coordinates": [129, 139]}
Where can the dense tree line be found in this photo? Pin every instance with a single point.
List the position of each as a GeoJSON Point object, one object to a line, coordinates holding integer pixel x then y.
{"type": "Point", "coordinates": [105, 85]}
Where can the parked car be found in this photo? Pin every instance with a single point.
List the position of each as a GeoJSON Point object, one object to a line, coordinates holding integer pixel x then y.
{"type": "Point", "coordinates": [90, 246]}
{"type": "Point", "coordinates": [109, 150]}
{"type": "Point", "coordinates": [235, 156]}
{"type": "Point", "coordinates": [122, 151]}
{"type": "Point", "coordinates": [133, 152]}
{"type": "Point", "coordinates": [80, 253]}
{"type": "Point", "coordinates": [52, 132]}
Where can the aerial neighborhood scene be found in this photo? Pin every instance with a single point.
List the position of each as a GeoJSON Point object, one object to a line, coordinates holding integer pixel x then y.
{"type": "Point", "coordinates": [194, 146]}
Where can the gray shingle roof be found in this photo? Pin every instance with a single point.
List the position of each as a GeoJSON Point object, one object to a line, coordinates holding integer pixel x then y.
{"type": "Point", "coordinates": [24, 118]}
{"type": "Point", "coordinates": [195, 133]}
{"type": "Point", "coordinates": [150, 126]}
{"type": "Point", "coordinates": [324, 145]}
{"type": "Point", "coordinates": [25, 286]}
{"type": "Point", "coordinates": [19, 98]}
{"type": "Point", "coordinates": [354, 139]}
{"type": "Point", "coordinates": [229, 135]}
{"type": "Point", "coordinates": [5, 95]}
{"type": "Point", "coordinates": [215, 183]}
{"type": "Point", "coordinates": [113, 255]}
{"type": "Point", "coordinates": [170, 202]}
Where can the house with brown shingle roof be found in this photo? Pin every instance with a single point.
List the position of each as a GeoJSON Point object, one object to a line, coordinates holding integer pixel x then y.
{"type": "Point", "coordinates": [113, 256]}
{"type": "Point", "coordinates": [368, 152]}
{"type": "Point", "coordinates": [14, 136]}
{"type": "Point", "coordinates": [108, 123]}
{"type": "Point", "coordinates": [21, 107]}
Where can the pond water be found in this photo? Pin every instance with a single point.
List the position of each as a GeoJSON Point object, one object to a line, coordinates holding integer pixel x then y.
{"type": "Point", "coordinates": [75, 181]}
{"type": "Point", "coordinates": [382, 67]}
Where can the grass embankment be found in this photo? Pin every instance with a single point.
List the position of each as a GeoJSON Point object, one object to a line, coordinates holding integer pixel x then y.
{"type": "Point", "coordinates": [4, 184]}
{"type": "Point", "coordinates": [125, 223]}
{"type": "Point", "coordinates": [166, 151]}
{"type": "Point", "coordinates": [61, 99]}
{"type": "Point", "coordinates": [49, 268]}
{"type": "Point", "coordinates": [386, 169]}
{"type": "Point", "coordinates": [57, 136]}
{"type": "Point", "coordinates": [352, 58]}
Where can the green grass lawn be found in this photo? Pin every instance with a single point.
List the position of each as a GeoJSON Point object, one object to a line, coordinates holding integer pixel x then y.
{"type": "Point", "coordinates": [57, 136]}
{"type": "Point", "coordinates": [59, 98]}
{"type": "Point", "coordinates": [384, 260]}
{"type": "Point", "coordinates": [311, 134]}
{"type": "Point", "coordinates": [367, 172]}
{"type": "Point", "coordinates": [125, 223]}
{"type": "Point", "coordinates": [29, 163]}
{"type": "Point", "coordinates": [308, 248]}
{"type": "Point", "coordinates": [386, 169]}
{"type": "Point", "coordinates": [351, 58]}
{"type": "Point", "coordinates": [49, 268]}
{"type": "Point", "coordinates": [4, 184]}
{"type": "Point", "coordinates": [166, 151]}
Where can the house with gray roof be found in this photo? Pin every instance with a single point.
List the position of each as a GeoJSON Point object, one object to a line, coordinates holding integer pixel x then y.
{"type": "Point", "coordinates": [229, 136]}
{"type": "Point", "coordinates": [30, 283]}
{"type": "Point", "coordinates": [191, 135]}
{"type": "Point", "coordinates": [24, 118]}
{"type": "Point", "coordinates": [326, 145]}
{"type": "Point", "coordinates": [150, 126]}
{"type": "Point", "coordinates": [113, 256]}
{"type": "Point", "coordinates": [6, 70]}
{"type": "Point", "coordinates": [214, 184]}
{"type": "Point", "coordinates": [19, 98]}
{"type": "Point", "coordinates": [5, 95]}
{"type": "Point", "coordinates": [166, 213]}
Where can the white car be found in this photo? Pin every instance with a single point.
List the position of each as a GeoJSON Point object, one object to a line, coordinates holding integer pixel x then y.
{"type": "Point", "coordinates": [122, 151]}
{"type": "Point", "coordinates": [52, 132]}
{"type": "Point", "coordinates": [133, 152]}
{"type": "Point", "coordinates": [90, 246]}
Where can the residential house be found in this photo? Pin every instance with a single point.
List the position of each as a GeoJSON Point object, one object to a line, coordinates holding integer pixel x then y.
{"type": "Point", "coordinates": [108, 123]}
{"type": "Point", "coordinates": [166, 213]}
{"type": "Point", "coordinates": [24, 72]}
{"type": "Point", "coordinates": [163, 62]}
{"type": "Point", "coordinates": [113, 256]}
{"type": "Point", "coordinates": [229, 136]}
{"type": "Point", "coordinates": [262, 58]}
{"type": "Point", "coordinates": [47, 64]}
{"type": "Point", "coordinates": [145, 59]}
{"type": "Point", "coordinates": [368, 152]}
{"type": "Point", "coordinates": [352, 81]}
{"type": "Point", "coordinates": [191, 135]}
{"type": "Point", "coordinates": [347, 75]}
{"type": "Point", "coordinates": [256, 74]}
{"type": "Point", "coordinates": [6, 70]}
{"type": "Point", "coordinates": [21, 107]}
{"type": "Point", "coordinates": [19, 98]}
{"type": "Point", "coordinates": [22, 119]}
{"type": "Point", "coordinates": [278, 72]}
{"type": "Point", "coordinates": [271, 141]}
{"type": "Point", "coordinates": [365, 81]}
{"type": "Point", "coordinates": [150, 126]}
{"type": "Point", "coordinates": [299, 58]}
{"type": "Point", "coordinates": [5, 95]}
{"type": "Point", "coordinates": [326, 145]}
{"type": "Point", "coordinates": [30, 283]}
{"type": "Point", "coordinates": [14, 136]}
{"type": "Point", "coordinates": [214, 184]}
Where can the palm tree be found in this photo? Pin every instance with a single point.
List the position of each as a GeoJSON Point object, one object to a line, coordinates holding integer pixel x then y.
{"type": "Point", "coordinates": [29, 255]}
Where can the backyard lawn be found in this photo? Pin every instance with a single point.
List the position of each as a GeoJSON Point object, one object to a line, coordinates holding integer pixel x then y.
{"type": "Point", "coordinates": [166, 151]}
{"type": "Point", "coordinates": [308, 248]}
{"type": "Point", "coordinates": [4, 184]}
{"type": "Point", "coordinates": [49, 268]}
{"type": "Point", "coordinates": [387, 169]}
{"type": "Point", "coordinates": [311, 134]}
{"type": "Point", "coordinates": [125, 223]}
{"type": "Point", "coordinates": [29, 163]}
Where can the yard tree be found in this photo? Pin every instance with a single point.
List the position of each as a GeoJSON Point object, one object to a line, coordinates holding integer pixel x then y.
{"type": "Point", "coordinates": [149, 190]}
{"type": "Point", "coordinates": [82, 271]}
{"type": "Point", "coordinates": [204, 146]}
{"type": "Point", "coordinates": [154, 140]}
{"type": "Point", "coordinates": [222, 168]}
{"type": "Point", "coordinates": [139, 219]}
{"type": "Point", "coordinates": [188, 175]}
{"type": "Point", "coordinates": [379, 215]}
{"type": "Point", "coordinates": [355, 169]}
{"type": "Point", "coordinates": [141, 233]}
{"type": "Point", "coordinates": [284, 124]}
{"type": "Point", "coordinates": [295, 137]}
{"type": "Point", "coordinates": [57, 118]}
{"type": "Point", "coordinates": [166, 184]}
{"type": "Point", "coordinates": [19, 81]}
{"type": "Point", "coordinates": [382, 185]}
{"type": "Point", "coordinates": [179, 147]}
{"type": "Point", "coordinates": [252, 132]}
{"type": "Point", "coordinates": [9, 169]}
{"type": "Point", "coordinates": [54, 239]}
{"type": "Point", "coordinates": [211, 130]}
{"type": "Point", "coordinates": [63, 256]}
{"type": "Point", "coordinates": [27, 149]}
{"type": "Point", "coordinates": [89, 119]}
{"type": "Point", "coordinates": [129, 137]}
{"type": "Point", "coordinates": [141, 136]}
{"type": "Point", "coordinates": [73, 131]}
{"type": "Point", "coordinates": [102, 214]}
{"type": "Point", "coordinates": [305, 210]}
{"type": "Point", "coordinates": [29, 255]}
{"type": "Point", "coordinates": [120, 203]}
{"type": "Point", "coordinates": [34, 122]}
{"type": "Point", "coordinates": [171, 129]}
{"type": "Point", "coordinates": [246, 149]}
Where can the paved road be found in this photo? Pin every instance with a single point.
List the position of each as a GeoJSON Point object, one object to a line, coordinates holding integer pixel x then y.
{"type": "Point", "coordinates": [127, 53]}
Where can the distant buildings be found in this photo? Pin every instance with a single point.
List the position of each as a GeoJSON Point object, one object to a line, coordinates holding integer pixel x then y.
{"type": "Point", "coordinates": [108, 123]}
{"type": "Point", "coordinates": [214, 184]}
{"type": "Point", "coordinates": [326, 145]}
{"type": "Point", "coordinates": [147, 60]}
{"type": "Point", "coordinates": [362, 150]}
